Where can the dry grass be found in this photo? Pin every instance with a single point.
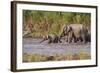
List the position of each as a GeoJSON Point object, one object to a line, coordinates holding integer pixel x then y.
{"type": "Point", "coordinates": [56, 57]}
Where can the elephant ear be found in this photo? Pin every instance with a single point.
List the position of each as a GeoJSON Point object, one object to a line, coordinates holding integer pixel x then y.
{"type": "Point", "coordinates": [69, 29]}
{"type": "Point", "coordinates": [65, 28]}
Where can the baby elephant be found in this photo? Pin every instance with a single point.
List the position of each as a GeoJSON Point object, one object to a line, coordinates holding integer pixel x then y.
{"type": "Point", "coordinates": [51, 38]}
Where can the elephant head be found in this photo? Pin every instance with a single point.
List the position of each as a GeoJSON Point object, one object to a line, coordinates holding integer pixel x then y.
{"type": "Point", "coordinates": [65, 31]}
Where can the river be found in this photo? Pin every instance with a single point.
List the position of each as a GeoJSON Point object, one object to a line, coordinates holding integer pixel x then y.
{"type": "Point", "coordinates": [33, 46]}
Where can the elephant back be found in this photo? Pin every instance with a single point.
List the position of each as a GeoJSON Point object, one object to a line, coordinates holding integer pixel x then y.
{"type": "Point", "coordinates": [77, 28]}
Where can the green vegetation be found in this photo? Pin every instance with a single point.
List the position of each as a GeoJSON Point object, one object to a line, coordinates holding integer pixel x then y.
{"type": "Point", "coordinates": [40, 23]}
{"type": "Point", "coordinates": [56, 57]}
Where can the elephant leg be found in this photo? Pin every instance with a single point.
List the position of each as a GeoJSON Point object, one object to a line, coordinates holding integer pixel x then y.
{"type": "Point", "coordinates": [74, 38]}
{"type": "Point", "coordinates": [50, 41]}
{"type": "Point", "coordinates": [70, 38]}
{"type": "Point", "coordinates": [59, 40]}
{"type": "Point", "coordinates": [56, 39]}
{"type": "Point", "coordinates": [81, 40]}
{"type": "Point", "coordinates": [88, 38]}
{"type": "Point", "coordinates": [84, 39]}
{"type": "Point", "coordinates": [66, 40]}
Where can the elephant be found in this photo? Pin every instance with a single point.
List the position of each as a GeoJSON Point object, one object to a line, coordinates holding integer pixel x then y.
{"type": "Point", "coordinates": [67, 32]}
{"type": "Point", "coordinates": [88, 37]}
{"type": "Point", "coordinates": [76, 32]}
{"type": "Point", "coordinates": [52, 38]}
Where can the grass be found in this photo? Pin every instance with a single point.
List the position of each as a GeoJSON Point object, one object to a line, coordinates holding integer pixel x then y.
{"type": "Point", "coordinates": [50, 22]}
{"type": "Point", "coordinates": [56, 57]}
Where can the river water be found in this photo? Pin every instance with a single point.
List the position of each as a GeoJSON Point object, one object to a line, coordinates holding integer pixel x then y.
{"type": "Point", "coordinates": [33, 46]}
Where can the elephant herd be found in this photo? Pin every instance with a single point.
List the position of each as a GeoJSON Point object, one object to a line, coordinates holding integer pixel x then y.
{"type": "Point", "coordinates": [70, 33]}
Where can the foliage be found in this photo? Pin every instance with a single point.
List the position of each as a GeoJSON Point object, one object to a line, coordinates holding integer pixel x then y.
{"type": "Point", "coordinates": [50, 22]}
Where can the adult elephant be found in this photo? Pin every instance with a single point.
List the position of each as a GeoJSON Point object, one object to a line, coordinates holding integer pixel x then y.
{"type": "Point", "coordinates": [75, 32]}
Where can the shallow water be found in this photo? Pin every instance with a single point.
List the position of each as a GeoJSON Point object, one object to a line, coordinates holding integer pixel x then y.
{"type": "Point", "coordinates": [33, 46]}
